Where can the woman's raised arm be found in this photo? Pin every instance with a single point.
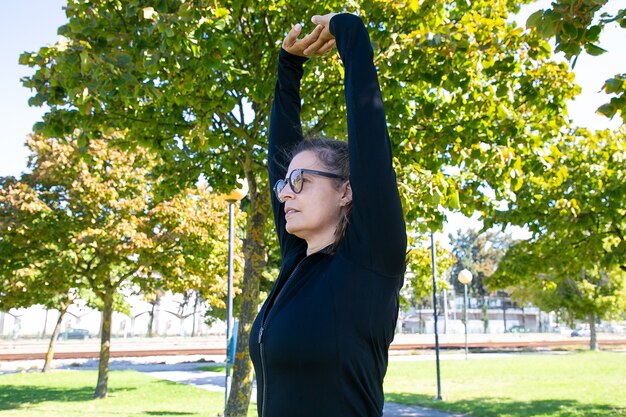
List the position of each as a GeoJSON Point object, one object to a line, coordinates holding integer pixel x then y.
{"type": "Point", "coordinates": [376, 235]}
{"type": "Point", "coordinates": [285, 126]}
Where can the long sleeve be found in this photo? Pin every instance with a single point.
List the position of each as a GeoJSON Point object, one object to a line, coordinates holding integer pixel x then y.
{"type": "Point", "coordinates": [376, 235]}
{"type": "Point", "coordinates": [319, 343]}
{"type": "Point", "coordinates": [285, 132]}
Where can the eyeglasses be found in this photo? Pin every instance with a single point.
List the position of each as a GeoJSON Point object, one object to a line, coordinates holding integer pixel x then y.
{"type": "Point", "coordinates": [296, 180]}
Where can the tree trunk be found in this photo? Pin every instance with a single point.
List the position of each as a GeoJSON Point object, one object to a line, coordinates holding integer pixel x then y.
{"type": "Point", "coordinates": [151, 321]}
{"type": "Point", "coordinates": [195, 312]}
{"type": "Point", "coordinates": [105, 344]}
{"type": "Point", "coordinates": [45, 324]}
{"type": "Point", "coordinates": [593, 340]}
{"type": "Point", "coordinates": [419, 318]}
{"type": "Point", "coordinates": [254, 253]}
{"type": "Point", "coordinates": [55, 333]}
{"type": "Point", "coordinates": [485, 311]}
{"type": "Point", "coordinates": [504, 313]}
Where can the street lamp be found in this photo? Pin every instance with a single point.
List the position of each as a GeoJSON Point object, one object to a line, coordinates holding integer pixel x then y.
{"type": "Point", "coordinates": [232, 198]}
{"type": "Point", "coordinates": [465, 278]}
{"type": "Point", "coordinates": [433, 265]}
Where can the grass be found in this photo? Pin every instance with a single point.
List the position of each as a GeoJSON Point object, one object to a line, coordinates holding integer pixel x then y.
{"type": "Point", "coordinates": [212, 368]}
{"type": "Point", "coordinates": [131, 394]}
{"type": "Point", "coordinates": [582, 384]}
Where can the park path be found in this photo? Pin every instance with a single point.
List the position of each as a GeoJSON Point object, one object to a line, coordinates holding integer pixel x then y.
{"type": "Point", "coordinates": [214, 381]}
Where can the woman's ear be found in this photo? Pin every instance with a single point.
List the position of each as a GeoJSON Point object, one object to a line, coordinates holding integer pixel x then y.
{"type": "Point", "coordinates": [346, 197]}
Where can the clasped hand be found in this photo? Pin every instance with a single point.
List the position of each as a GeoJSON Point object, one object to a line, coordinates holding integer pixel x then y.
{"type": "Point", "coordinates": [316, 43]}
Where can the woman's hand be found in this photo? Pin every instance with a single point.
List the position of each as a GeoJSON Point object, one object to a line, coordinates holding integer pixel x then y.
{"type": "Point", "coordinates": [316, 43]}
{"type": "Point", "coordinates": [325, 41]}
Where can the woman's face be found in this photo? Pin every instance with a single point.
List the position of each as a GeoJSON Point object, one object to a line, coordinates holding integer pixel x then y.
{"type": "Point", "coordinates": [315, 211]}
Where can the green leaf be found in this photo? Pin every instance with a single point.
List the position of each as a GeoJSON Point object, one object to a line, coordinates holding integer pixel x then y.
{"type": "Point", "coordinates": [535, 19]}
{"type": "Point", "coordinates": [570, 30]}
{"type": "Point", "coordinates": [220, 24]}
{"type": "Point", "coordinates": [24, 58]}
{"type": "Point", "coordinates": [453, 200]}
{"type": "Point", "coordinates": [123, 60]}
{"type": "Point", "coordinates": [83, 141]}
{"type": "Point", "coordinates": [607, 109]}
{"type": "Point", "coordinates": [593, 33]}
{"type": "Point", "coordinates": [612, 85]}
{"type": "Point", "coordinates": [594, 50]}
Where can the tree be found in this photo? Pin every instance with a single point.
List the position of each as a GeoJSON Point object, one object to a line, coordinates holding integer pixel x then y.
{"type": "Point", "coordinates": [575, 26]}
{"type": "Point", "coordinates": [419, 269]}
{"type": "Point", "coordinates": [573, 201]}
{"type": "Point", "coordinates": [529, 273]}
{"type": "Point", "coordinates": [116, 233]}
{"type": "Point", "coordinates": [27, 251]}
{"type": "Point", "coordinates": [467, 95]}
{"type": "Point", "coordinates": [479, 254]}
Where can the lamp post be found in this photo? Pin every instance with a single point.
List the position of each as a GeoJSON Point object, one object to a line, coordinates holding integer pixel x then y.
{"type": "Point", "coordinates": [465, 278]}
{"type": "Point", "coordinates": [232, 198]}
{"type": "Point", "coordinates": [433, 259]}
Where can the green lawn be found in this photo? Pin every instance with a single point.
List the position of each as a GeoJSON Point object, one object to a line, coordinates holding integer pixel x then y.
{"type": "Point", "coordinates": [572, 385]}
{"type": "Point", "coordinates": [131, 394]}
{"type": "Point", "coordinates": [213, 368]}
{"type": "Point", "coordinates": [585, 384]}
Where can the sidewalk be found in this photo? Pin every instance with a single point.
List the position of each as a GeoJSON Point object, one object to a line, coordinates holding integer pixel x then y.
{"type": "Point", "coordinates": [214, 381]}
{"type": "Point", "coordinates": [399, 410]}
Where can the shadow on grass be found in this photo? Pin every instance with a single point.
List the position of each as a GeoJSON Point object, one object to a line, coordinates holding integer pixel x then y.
{"type": "Point", "coordinates": [496, 407]}
{"type": "Point", "coordinates": [15, 396]}
{"type": "Point", "coordinates": [168, 413]}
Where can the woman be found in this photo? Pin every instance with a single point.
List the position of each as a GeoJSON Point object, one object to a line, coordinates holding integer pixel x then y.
{"type": "Point", "coordinates": [319, 344]}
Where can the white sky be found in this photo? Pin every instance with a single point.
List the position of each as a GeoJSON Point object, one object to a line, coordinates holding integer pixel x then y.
{"type": "Point", "coordinates": [26, 25]}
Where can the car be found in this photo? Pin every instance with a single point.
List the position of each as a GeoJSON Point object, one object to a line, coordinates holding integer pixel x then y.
{"type": "Point", "coordinates": [519, 329]}
{"type": "Point", "coordinates": [581, 333]}
{"type": "Point", "coordinates": [82, 334]}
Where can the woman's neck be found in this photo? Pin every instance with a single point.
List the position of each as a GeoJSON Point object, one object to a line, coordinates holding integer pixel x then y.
{"type": "Point", "coordinates": [316, 245]}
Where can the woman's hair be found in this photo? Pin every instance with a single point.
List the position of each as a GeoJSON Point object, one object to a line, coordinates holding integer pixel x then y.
{"type": "Point", "coordinates": [333, 154]}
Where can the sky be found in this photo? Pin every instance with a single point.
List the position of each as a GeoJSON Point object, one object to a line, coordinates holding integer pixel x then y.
{"type": "Point", "coordinates": [27, 25]}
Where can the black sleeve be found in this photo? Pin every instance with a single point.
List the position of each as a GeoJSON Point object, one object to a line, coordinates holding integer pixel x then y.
{"type": "Point", "coordinates": [285, 132]}
{"type": "Point", "coordinates": [376, 234]}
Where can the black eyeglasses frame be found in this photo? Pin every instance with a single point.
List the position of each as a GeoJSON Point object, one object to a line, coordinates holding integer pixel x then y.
{"type": "Point", "coordinates": [280, 184]}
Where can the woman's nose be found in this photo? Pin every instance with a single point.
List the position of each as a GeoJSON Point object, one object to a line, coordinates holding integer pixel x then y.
{"type": "Point", "coordinates": [286, 192]}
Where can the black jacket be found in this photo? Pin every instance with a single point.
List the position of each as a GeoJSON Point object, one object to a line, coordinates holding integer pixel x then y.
{"type": "Point", "coordinates": [320, 349]}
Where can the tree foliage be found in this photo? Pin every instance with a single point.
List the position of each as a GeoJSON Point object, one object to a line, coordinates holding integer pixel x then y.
{"type": "Point", "coordinates": [574, 194]}
{"type": "Point", "coordinates": [479, 253]}
{"type": "Point", "coordinates": [181, 79]}
{"type": "Point", "coordinates": [576, 26]}
{"type": "Point", "coordinates": [467, 93]}
{"type": "Point", "coordinates": [94, 214]}
{"type": "Point", "coordinates": [573, 201]}
{"type": "Point", "coordinates": [419, 283]}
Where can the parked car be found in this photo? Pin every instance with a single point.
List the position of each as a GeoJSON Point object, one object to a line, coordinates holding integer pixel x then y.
{"type": "Point", "coordinates": [410, 326]}
{"type": "Point", "coordinates": [581, 333]}
{"type": "Point", "coordinates": [82, 334]}
{"type": "Point", "coordinates": [519, 329]}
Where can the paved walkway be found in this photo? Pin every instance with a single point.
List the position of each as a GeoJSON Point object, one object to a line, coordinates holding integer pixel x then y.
{"type": "Point", "coordinates": [214, 381]}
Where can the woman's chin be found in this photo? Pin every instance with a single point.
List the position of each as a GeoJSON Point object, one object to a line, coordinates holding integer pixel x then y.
{"type": "Point", "coordinates": [292, 229]}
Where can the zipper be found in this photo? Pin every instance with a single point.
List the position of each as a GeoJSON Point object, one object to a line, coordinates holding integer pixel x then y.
{"type": "Point", "coordinates": [263, 372]}
{"type": "Point", "coordinates": [262, 329]}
